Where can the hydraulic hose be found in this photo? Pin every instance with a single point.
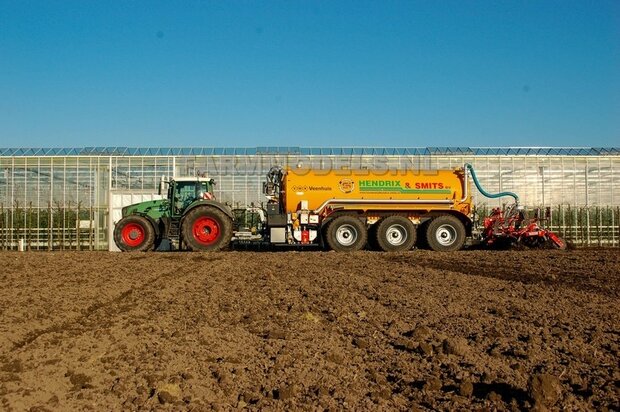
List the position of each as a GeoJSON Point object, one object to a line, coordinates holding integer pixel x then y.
{"type": "Point", "coordinates": [484, 192]}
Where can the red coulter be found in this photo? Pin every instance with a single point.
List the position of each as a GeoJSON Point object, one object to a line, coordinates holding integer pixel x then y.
{"type": "Point", "coordinates": [511, 227]}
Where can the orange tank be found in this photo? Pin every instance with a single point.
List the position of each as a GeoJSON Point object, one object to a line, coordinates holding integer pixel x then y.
{"type": "Point", "coordinates": [424, 190]}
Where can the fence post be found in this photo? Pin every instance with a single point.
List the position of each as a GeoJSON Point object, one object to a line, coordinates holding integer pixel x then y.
{"type": "Point", "coordinates": [90, 230]}
{"type": "Point", "coordinates": [578, 227]}
{"type": "Point", "coordinates": [616, 220]}
{"type": "Point", "coordinates": [29, 225]}
{"type": "Point", "coordinates": [2, 226]}
{"type": "Point", "coordinates": [77, 223]}
{"type": "Point", "coordinates": [69, 228]}
{"type": "Point", "coordinates": [50, 219]}
{"type": "Point", "coordinates": [64, 226]}
{"type": "Point", "coordinates": [562, 221]}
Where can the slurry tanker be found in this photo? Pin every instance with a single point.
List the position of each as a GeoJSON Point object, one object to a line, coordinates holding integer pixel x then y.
{"type": "Point", "coordinates": [341, 210]}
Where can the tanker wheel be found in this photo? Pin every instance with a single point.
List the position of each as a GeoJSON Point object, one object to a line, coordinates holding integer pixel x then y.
{"type": "Point", "coordinates": [206, 229]}
{"type": "Point", "coordinates": [445, 233]}
{"type": "Point", "coordinates": [372, 237]}
{"type": "Point", "coordinates": [421, 242]}
{"type": "Point", "coordinates": [134, 234]}
{"type": "Point", "coordinates": [346, 234]}
{"type": "Point", "coordinates": [395, 234]}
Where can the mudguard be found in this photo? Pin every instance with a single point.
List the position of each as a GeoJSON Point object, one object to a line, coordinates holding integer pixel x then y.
{"type": "Point", "coordinates": [224, 208]}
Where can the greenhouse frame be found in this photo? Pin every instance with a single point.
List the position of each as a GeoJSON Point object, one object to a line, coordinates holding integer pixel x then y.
{"type": "Point", "coordinates": [61, 198]}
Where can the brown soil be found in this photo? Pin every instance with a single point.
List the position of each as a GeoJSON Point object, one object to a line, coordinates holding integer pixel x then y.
{"type": "Point", "coordinates": [310, 330]}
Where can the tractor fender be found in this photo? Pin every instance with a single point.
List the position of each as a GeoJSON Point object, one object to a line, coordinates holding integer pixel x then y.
{"type": "Point", "coordinates": [224, 208]}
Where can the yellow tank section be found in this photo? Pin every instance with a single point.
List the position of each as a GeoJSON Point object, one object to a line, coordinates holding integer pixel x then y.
{"type": "Point", "coordinates": [426, 189]}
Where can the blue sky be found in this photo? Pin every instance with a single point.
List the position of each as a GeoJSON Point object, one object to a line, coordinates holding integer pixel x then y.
{"type": "Point", "coordinates": [309, 73]}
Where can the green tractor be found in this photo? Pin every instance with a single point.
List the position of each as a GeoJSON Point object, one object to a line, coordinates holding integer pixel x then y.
{"type": "Point", "coordinates": [189, 217]}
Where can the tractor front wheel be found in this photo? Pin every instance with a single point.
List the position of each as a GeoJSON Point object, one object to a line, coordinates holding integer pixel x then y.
{"type": "Point", "coordinates": [134, 234]}
{"type": "Point", "coordinates": [206, 229]}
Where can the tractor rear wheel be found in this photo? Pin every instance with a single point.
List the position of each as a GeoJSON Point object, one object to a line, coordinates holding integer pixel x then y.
{"type": "Point", "coordinates": [134, 234]}
{"type": "Point", "coordinates": [395, 234]}
{"type": "Point", "coordinates": [445, 233]}
{"type": "Point", "coordinates": [346, 234]}
{"type": "Point", "coordinates": [206, 229]}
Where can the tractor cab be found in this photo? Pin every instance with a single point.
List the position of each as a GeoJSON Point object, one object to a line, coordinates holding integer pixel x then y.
{"type": "Point", "coordinates": [185, 190]}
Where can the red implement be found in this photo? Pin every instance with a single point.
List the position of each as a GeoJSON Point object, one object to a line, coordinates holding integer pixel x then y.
{"type": "Point", "coordinates": [511, 227]}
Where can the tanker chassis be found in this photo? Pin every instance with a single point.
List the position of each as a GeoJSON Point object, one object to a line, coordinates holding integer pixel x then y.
{"type": "Point", "coordinates": [341, 210]}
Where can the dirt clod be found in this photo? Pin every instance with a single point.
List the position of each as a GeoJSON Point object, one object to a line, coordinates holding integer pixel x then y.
{"type": "Point", "coordinates": [426, 349]}
{"type": "Point", "coordinates": [421, 332]}
{"type": "Point", "coordinates": [276, 334]}
{"type": "Point", "coordinates": [466, 388]}
{"type": "Point", "coordinates": [166, 397]}
{"type": "Point", "coordinates": [382, 393]}
{"type": "Point", "coordinates": [492, 396]}
{"type": "Point", "coordinates": [545, 389]}
{"type": "Point", "coordinates": [361, 343]}
{"type": "Point", "coordinates": [14, 366]}
{"type": "Point", "coordinates": [455, 346]}
{"type": "Point", "coordinates": [432, 384]}
{"type": "Point", "coordinates": [79, 380]}
{"type": "Point", "coordinates": [284, 392]}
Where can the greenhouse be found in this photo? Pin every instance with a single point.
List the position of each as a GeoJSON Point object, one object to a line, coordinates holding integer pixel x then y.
{"type": "Point", "coordinates": [63, 198]}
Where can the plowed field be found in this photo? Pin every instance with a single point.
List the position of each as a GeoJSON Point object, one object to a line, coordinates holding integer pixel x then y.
{"type": "Point", "coordinates": [310, 330]}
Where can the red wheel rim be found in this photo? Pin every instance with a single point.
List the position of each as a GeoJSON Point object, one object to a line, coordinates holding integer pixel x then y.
{"type": "Point", "coordinates": [133, 234]}
{"type": "Point", "coordinates": [206, 230]}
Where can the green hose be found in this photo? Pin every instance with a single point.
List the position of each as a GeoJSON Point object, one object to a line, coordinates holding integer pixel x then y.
{"type": "Point", "coordinates": [484, 192]}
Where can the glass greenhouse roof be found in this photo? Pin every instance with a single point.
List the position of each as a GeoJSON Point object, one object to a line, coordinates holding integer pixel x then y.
{"type": "Point", "coordinates": [325, 151]}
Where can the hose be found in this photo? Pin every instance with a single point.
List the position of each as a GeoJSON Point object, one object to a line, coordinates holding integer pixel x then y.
{"type": "Point", "coordinates": [484, 192]}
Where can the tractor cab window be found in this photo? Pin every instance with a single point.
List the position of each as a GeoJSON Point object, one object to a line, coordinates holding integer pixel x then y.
{"type": "Point", "coordinates": [203, 187]}
{"type": "Point", "coordinates": [187, 192]}
{"type": "Point", "coordinates": [205, 190]}
{"type": "Point", "coordinates": [184, 194]}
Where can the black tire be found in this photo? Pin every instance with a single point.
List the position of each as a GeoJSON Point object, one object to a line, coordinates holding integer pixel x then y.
{"type": "Point", "coordinates": [346, 234]}
{"type": "Point", "coordinates": [372, 237]}
{"type": "Point", "coordinates": [134, 234]}
{"type": "Point", "coordinates": [160, 238]}
{"type": "Point", "coordinates": [421, 242]}
{"type": "Point", "coordinates": [445, 233]}
{"type": "Point", "coordinates": [395, 234]}
{"type": "Point", "coordinates": [206, 229]}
